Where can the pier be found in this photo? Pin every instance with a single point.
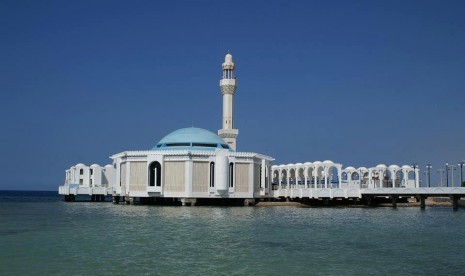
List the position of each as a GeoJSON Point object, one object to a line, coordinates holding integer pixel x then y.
{"type": "Point", "coordinates": [368, 194]}
{"type": "Point", "coordinates": [298, 192]}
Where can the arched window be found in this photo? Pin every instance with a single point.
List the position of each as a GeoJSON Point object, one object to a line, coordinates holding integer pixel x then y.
{"type": "Point", "coordinates": [155, 174]}
{"type": "Point", "coordinates": [275, 177]}
{"type": "Point", "coordinates": [231, 175]}
{"type": "Point", "coordinates": [212, 174]}
{"type": "Point", "coordinates": [266, 176]}
{"type": "Point", "coordinates": [411, 175]}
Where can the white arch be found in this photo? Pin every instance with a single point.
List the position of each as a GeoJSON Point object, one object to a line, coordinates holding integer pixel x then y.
{"type": "Point", "coordinates": [329, 165]}
{"type": "Point", "coordinates": [309, 173]}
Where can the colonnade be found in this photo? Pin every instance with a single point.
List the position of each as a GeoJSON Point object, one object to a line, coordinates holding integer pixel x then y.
{"type": "Point", "coordinates": [328, 174]}
{"type": "Point", "coordinates": [316, 174]}
{"type": "Point", "coordinates": [382, 176]}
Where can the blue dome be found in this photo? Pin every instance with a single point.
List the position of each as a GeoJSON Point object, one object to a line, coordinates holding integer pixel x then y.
{"type": "Point", "coordinates": [191, 138]}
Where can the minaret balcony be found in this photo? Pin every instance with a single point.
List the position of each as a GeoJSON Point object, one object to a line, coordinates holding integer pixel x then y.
{"type": "Point", "coordinates": [227, 82]}
{"type": "Point", "coordinates": [228, 133]}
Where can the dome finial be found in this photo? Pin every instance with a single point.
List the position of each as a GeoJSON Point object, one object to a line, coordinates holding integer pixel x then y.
{"type": "Point", "coordinates": [228, 58]}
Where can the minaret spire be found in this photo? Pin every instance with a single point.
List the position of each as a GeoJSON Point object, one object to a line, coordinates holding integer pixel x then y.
{"type": "Point", "coordinates": [228, 84]}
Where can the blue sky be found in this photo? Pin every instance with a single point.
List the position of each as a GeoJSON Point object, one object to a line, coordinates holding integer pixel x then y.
{"type": "Point", "coordinates": [356, 82]}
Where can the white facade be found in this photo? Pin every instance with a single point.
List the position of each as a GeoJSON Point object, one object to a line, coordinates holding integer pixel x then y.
{"type": "Point", "coordinates": [192, 174]}
{"type": "Point", "coordinates": [176, 173]}
{"type": "Point", "coordinates": [187, 163]}
{"type": "Point", "coordinates": [81, 175]}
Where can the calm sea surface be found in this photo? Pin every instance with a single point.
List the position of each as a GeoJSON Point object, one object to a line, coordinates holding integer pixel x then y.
{"type": "Point", "coordinates": [41, 235]}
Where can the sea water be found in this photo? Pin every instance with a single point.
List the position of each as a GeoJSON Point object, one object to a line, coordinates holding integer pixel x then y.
{"type": "Point", "coordinates": [42, 235]}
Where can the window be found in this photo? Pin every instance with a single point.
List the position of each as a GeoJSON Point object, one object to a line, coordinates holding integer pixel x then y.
{"type": "Point", "coordinates": [266, 176]}
{"type": "Point", "coordinates": [178, 145]}
{"type": "Point", "coordinates": [91, 171]}
{"type": "Point", "coordinates": [155, 174]}
{"type": "Point", "coordinates": [231, 175]}
{"type": "Point", "coordinates": [212, 174]}
{"type": "Point", "coordinates": [204, 145]}
{"type": "Point", "coordinates": [81, 171]}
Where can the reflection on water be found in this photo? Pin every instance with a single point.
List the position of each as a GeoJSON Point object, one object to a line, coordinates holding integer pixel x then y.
{"type": "Point", "coordinates": [53, 237]}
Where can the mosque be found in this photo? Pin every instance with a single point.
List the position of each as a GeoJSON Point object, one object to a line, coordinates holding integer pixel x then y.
{"type": "Point", "coordinates": [191, 165]}
{"type": "Point", "coordinates": [187, 165]}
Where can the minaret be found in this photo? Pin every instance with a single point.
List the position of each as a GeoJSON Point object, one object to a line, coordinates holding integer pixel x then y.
{"type": "Point", "coordinates": [228, 86]}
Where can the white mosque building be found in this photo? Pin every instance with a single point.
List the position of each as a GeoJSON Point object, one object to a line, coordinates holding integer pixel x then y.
{"type": "Point", "coordinates": [187, 165]}
{"type": "Point", "coordinates": [192, 165]}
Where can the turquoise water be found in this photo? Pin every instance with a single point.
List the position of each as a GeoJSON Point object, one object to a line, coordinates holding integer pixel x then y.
{"type": "Point", "coordinates": [40, 234]}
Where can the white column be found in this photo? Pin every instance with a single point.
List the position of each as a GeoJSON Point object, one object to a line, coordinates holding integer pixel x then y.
{"type": "Point", "coordinates": [251, 180]}
{"type": "Point", "coordinates": [417, 178]}
{"type": "Point", "coordinates": [325, 176]}
{"type": "Point", "coordinates": [270, 180]}
{"type": "Point", "coordinates": [370, 184]}
{"type": "Point", "coordinates": [405, 178]}
{"type": "Point", "coordinates": [117, 187]}
{"type": "Point", "coordinates": [381, 178]}
{"type": "Point", "coordinates": [263, 176]}
{"type": "Point", "coordinates": [188, 177]}
{"type": "Point", "coordinates": [393, 178]}
{"type": "Point", "coordinates": [128, 174]}
{"type": "Point", "coordinates": [297, 179]}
